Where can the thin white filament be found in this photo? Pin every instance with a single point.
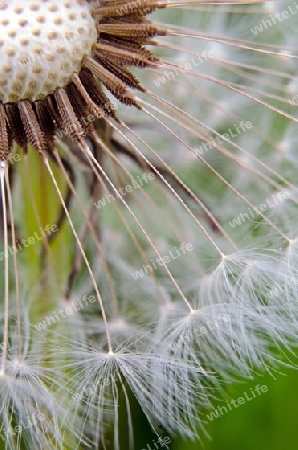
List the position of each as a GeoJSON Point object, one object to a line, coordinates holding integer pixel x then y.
{"type": "Point", "coordinates": [108, 336]}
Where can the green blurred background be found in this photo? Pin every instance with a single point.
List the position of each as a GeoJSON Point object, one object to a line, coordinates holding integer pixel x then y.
{"type": "Point", "coordinates": [268, 421]}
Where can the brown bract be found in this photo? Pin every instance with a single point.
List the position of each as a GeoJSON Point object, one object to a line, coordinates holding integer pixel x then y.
{"type": "Point", "coordinates": [123, 32]}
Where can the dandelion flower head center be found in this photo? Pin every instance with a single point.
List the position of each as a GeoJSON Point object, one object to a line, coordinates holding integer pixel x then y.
{"type": "Point", "coordinates": [42, 44]}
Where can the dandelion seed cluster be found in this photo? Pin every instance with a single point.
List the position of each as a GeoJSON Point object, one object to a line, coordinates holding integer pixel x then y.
{"type": "Point", "coordinates": [95, 98]}
{"type": "Point", "coordinates": [44, 45]}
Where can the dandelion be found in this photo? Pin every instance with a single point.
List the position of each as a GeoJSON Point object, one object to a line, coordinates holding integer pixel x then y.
{"type": "Point", "coordinates": [143, 129]}
{"type": "Point", "coordinates": [31, 412]}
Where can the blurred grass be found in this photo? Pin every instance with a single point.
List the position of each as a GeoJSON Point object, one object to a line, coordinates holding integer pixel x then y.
{"type": "Point", "coordinates": [267, 422]}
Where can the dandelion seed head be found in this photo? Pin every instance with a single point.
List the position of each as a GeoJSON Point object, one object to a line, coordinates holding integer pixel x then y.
{"type": "Point", "coordinates": [165, 322]}
{"type": "Point", "coordinates": [44, 46]}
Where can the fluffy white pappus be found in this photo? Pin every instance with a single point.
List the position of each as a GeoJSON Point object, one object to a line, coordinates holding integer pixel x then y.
{"type": "Point", "coordinates": [31, 410]}
{"type": "Point", "coordinates": [105, 383]}
{"type": "Point", "coordinates": [248, 277]}
{"type": "Point", "coordinates": [231, 340]}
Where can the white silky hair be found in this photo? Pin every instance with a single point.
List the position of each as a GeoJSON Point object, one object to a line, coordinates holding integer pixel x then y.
{"type": "Point", "coordinates": [32, 411]}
